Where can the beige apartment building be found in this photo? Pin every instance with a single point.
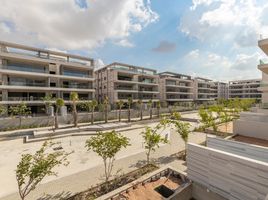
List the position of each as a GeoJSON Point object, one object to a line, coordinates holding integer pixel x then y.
{"type": "Point", "coordinates": [205, 90]}
{"type": "Point", "coordinates": [175, 88]}
{"type": "Point", "coordinates": [263, 66]}
{"type": "Point", "coordinates": [28, 74]}
{"type": "Point", "coordinates": [245, 89]}
{"type": "Point", "coordinates": [119, 81]}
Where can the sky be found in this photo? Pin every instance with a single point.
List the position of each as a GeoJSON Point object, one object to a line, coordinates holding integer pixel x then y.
{"type": "Point", "coordinates": [215, 39]}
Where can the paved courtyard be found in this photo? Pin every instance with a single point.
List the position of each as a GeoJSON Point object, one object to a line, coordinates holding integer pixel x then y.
{"type": "Point", "coordinates": [72, 178]}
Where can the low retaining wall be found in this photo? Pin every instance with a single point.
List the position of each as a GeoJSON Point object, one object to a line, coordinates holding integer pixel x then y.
{"type": "Point", "coordinates": [227, 174]}
{"type": "Point", "coordinates": [33, 122]}
{"type": "Point", "coordinates": [238, 148]}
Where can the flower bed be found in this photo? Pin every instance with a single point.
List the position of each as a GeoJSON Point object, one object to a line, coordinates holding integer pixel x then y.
{"type": "Point", "coordinates": [104, 188]}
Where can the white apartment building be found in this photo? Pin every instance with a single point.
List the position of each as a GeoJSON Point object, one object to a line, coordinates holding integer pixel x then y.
{"type": "Point", "coordinates": [245, 89]}
{"type": "Point", "coordinates": [119, 81]}
{"type": "Point", "coordinates": [28, 74]}
{"type": "Point", "coordinates": [175, 88]}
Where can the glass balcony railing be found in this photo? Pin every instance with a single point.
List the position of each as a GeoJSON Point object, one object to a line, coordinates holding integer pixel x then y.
{"type": "Point", "coordinates": [26, 68]}
{"type": "Point", "coordinates": [25, 98]}
{"type": "Point", "coordinates": [27, 84]}
{"type": "Point", "coordinates": [77, 86]}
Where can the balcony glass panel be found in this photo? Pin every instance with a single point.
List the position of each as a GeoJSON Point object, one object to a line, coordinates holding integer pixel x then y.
{"type": "Point", "coordinates": [26, 82]}
{"type": "Point", "coordinates": [26, 68]}
{"type": "Point", "coordinates": [68, 72]}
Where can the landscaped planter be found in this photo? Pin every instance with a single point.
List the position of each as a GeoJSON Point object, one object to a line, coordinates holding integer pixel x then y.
{"type": "Point", "coordinates": [101, 189]}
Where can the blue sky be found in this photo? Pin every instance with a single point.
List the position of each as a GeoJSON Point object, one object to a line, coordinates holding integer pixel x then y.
{"type": "Point", "coordinates": [211, 38]}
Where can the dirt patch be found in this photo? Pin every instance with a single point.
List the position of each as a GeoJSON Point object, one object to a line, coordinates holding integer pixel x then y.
{"type": "Point", "coordinates": [226, 127]}
{"type": "Point", "coordinates": [251, 140]}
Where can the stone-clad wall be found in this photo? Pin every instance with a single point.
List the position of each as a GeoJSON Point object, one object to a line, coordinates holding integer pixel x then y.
{"type": "Point", "coordinates": [239, 148]}
{"type": "Point", "coordinates": [233, 177]}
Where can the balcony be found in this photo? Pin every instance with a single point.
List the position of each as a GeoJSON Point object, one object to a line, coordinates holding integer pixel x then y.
{"type": "Point", "coordinates": [263, 44]}
{"type": "Point", "coordinates": [263, 66]}
{"type": "Point", "coordinates": [263, 87]}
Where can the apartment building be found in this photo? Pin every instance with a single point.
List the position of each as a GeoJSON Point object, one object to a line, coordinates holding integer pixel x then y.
{"type": "Point", "coordinates": [263, 66]}
{"type": "Point", "coordinates": [247, 89]}
{"type": "Point", "coordinates": [175, 88]}
{"type": "Point", "coordinates": [119, 81]}
{"type": "Point", "coordinates": [205, 90]}
{"type": "Point", "coordinates": [28, 74]}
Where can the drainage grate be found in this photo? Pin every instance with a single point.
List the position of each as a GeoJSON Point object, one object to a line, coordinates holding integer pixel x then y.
{"type": "Point", "coordinates": [164, 191]}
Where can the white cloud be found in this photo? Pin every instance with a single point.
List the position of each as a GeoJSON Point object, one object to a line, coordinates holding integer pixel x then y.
{"type": "Point", "coordinates": [214, 66]}
{"type": "Point", "coordinates": [125, 43]}
{"type": "Point", "coordinates": [236, 21]}
{"type": "Point", "coordinates": [63, 24]}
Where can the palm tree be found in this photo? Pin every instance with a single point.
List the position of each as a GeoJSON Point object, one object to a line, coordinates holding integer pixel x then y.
{"type": "Point", "coordinates": [129, 103]}
{"type": "Point", "coordinates": [158, 105]}
{"type": "Point", "coordinates": [120, 104]}
{"type": "Point", "coordinates": [59, 104]}
{"type": "Point", "coordinates": [93, 105]}
{"type": "Point", "coordinates": [47, 102]}
{"type": "Point", "coordinates": [74, 98]}
{"type": "Point", "coordinates": [150, 103]}
{"type": "Point", "coordinates": [106, 103]}
{"type": "Point", "coordinates": [140, 105]}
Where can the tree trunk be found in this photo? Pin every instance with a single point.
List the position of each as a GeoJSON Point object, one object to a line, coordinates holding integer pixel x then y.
{"type": "Point", "coordinates": [92, 116]}
{"type": "Point", "coordinates": [119, 114]}
{"type": "Point", "coordinates": [75, 116]}
{"type": "Point", "coordinates": [151, 113]}
{"type": "Point", "coordinates": [56, 119]}
{"type": "Point", "coordinates": [20, 120]}
{"type": "Point", "coordinates": [148, 157]}
{"type": "Point", "coordinates": [158, 112]}
{"type": "Point", "coordinates": [141, 114]}
{"type": "Point", "coordinates": [128, 114]}
{"type": "Point", "coordinates": [106, 114]}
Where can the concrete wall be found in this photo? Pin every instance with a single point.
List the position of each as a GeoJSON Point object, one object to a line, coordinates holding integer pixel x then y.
{"type": "Point", "coordinates": [238, 148]}
{"type": "Point", "coordinates": [231, 176]}
{"type": "Point", "coordinates": [251, 129]}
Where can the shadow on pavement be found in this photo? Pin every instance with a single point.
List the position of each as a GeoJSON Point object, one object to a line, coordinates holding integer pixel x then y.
{"type": "Point", "coordinates": [61, 195]}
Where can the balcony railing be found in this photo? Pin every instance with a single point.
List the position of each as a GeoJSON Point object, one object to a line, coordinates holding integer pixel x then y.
{"type": "Point", "coordinates": [27, 84]}
{"type": "Point", "coordinates": [24, 68]}
{"type": "Point", "coordinates": [25, 98]}
{"type": "Point", "coordinates": [77, 86]}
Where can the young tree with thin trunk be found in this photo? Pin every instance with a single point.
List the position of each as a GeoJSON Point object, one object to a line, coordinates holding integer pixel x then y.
{"type": "Point", "coordinates": [152, 139]}
{"type": "Point", "coordinates": [158, 106]}
{"type": "Point", "coordinates": [74, 98]}
{"type": "Point", "coordinates": [140, 103]}
{"type": "Point", "coordinates": [20, 110]}
{"type": "Point", "coordinates": [48, 103]}
{"type": "Point", "coordinates": [107, 145]}
{"type": "Point", "coordinates": [106, 104]}
{"type": "Point", "coordinates": [59, 104]}
{"type": "Point", "coordinates": [129, 103]}
{"type": "Point", "coordinates": [90, 107]}
{"type": "Point", "coordinates": [3, 110]}
{"type": "Point", "coordinates": [150, 103]}
{"type": "Point", "coordinates": [32, 169]}
{"type": "Point", "coordinates": [120, 104]}
{"type": "Point", "coordinates": [225, 118]}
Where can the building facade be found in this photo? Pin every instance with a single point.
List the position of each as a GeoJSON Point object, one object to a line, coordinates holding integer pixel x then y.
{"type": "Point", "coordinates": [175, 88]}
{"type": "Point", "coordinates": [28, 74]}
{"type": "Point", "coordinates": [245, 89]}
{"type": "Point", "coordinates": [205, 90]}
{"type": "Point", "coordinates": [119, 81]}
{"type": "Point", "coordinates": [263, 66]}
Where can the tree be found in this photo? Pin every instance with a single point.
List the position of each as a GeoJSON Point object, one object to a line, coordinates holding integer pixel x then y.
{"type": "Point", "coordinates": [152, 139]}
{"type": "Point", "coordinates": [129, 103]}
{"type": "Point", "coordinates": [32, 169]}
{"type": "Point", "coordinates": [107, 145]}
{"type": "Point", "coordinates": [225, 118]}
{"type": "Point", "coordinates": [48, 103]}
{"type": "Point", "coordinates": [74, 98]}
{"type": "Point", "coordinates": [106, 103]}
{"type": "Point", "coordinates": [3, 110]}
{"type": "Point", "coordinates": [59, 104]}
{"type": "Point", "coordinates": [150, 103]}
{"type": "Point", "coordinates": [140, 103]}
{"type": "Point", "coordinates": [120, 104]}
{"type": "Point", "coordinates": [207, 119]}
{"type": "Point", "coordinates": [158, 106]}
{"type": "Point", "coordinates": [20, 110]}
